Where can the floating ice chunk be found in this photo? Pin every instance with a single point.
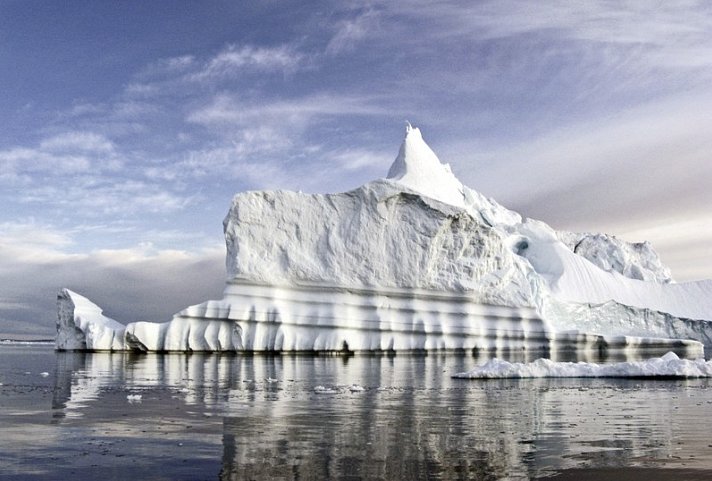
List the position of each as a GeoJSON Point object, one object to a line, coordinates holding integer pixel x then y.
{"type": "Point", "coordinates": [668, 366]}
{"type": "Point", "coordinates": [356, 388]}
{"type": "Point", "coordinates": [44, 374]}
{"type": "Point", "coordinates": [134, 398]}
{"type": "Point", "coordinates": [326, 390]}
{"type": "Point", "coordinates": [271, 380]}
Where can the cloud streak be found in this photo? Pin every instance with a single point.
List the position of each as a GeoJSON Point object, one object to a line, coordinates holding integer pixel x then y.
{"type": "Point", "coordinates": [131, 283]}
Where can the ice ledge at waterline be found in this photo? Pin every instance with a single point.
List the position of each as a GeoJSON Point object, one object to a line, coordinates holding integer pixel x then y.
{"type": "Point", "coordinates": [268, 318]}
{"type": "Point", "coordinates": [413, 261]}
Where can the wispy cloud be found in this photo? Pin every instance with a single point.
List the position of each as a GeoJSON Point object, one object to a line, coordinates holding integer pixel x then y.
{"type": "Point", "coordinates": [291, 112]}
{"type": "Point", "coordinates": [63, 154]}
{"type": "Point", "coordinates": [95, 197]}
{"type": "Point", "coordinates": [626, 156]}
{"type": "Point", "coordinates": [349, 31]}
{"type": "Point", "coordinates": [229, 63]}
{"type": "Point", "coordinates": [235, 60]}
{"type": "Point", "coordinates": [664, 25]}
{"type": "Point", "coordinates": [360, 158]}
{"type": "Point", "coordinates": [85, 173]}
{"type": "Point", "coordinates": [78, 141]}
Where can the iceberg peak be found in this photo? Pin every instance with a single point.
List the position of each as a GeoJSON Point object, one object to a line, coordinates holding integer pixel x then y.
{"type": "Point", "coordinates": [418, 168]}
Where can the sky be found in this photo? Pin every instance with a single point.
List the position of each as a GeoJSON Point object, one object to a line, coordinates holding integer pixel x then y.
{"type": "Point", "coordinates": [127, 127]}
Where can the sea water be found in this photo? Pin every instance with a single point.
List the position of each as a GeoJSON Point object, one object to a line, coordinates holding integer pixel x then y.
{"type": "Point", "coordinates": [233, 417]}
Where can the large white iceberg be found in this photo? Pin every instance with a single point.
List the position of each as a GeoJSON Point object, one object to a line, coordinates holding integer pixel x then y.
{"type": "Point", "coordinates": [413, 261]}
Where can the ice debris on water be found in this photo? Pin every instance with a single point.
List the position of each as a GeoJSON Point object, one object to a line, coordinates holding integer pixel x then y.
{"type": "Point", "coordinates": [326, 390]}
{"type": "Point", "coordinates": [338, 389]}
{"type": "Point", "coordinates": [44, 374]}
{"type": "Point", "coordinates": [667, 366]}
{"type": "Point", "coordinates": [134, 398]}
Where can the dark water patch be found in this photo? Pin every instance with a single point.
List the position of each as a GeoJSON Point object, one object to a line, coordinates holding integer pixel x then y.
{"type": "Point", "coordinates": [201, 416]}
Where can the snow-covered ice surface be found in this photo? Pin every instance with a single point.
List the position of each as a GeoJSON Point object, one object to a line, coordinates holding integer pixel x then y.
{"type": "Point", "coordinates": [414, 261]}
{"type": "Point", "coordinates": [667, 366]}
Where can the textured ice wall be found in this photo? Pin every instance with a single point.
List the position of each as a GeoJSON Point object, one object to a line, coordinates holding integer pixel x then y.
{"type": "Point", "coordinates": [379, 235]}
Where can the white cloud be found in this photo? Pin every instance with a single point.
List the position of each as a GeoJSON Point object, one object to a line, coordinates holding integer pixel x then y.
{"type": "Point", "coordinates": [68, 153]}
{"type": "Point", "coordinates": [234, 60]}
{"type": "Point", "coordinates": [78, 141]}
{"type": "Point", "coordinates": [19, 160]}
{"type": "Point", "coordinates": [358, 158]}
{"type": "Point", "coordinates": [664, 35]}
{"type": "Point", "coordinates": [133, 283]}
{"type": "Point", "coordinates": [29, 240]}
{"type": "Point", "coordinates": [93, 197]}
{"type": "Point", "coordinates": [230, 62]}
{"type": "Point", "coordinates": [350, 31]}
{"type": "Point", "coordinates": [85, 173]}
{"type": "Point", "coordinates": [238, 161]}
{"type": "Point", "coordinates": [283, 114]}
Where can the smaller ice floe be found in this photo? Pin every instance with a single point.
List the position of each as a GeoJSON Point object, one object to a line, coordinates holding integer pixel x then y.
{"type": "Point", "coordinates": [338, 389]}
{"type": "Point", "coordinates": [44, 374]}
{"type": "Point", "coordinates": [134, 398]}
{"type": "Point", "coordinates": [668, 366]}
{"type": "Point", "coordinates": [326, 390]}
{"type": "Point", "coordinates": [271, 380]}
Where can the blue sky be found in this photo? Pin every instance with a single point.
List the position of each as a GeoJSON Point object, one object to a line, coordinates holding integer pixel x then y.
{"type": "Point", "coordinates": [126, 127]}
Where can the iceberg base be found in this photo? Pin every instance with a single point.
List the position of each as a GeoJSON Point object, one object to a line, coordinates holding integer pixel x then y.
{"type": "Point", "coordinates": [308, 318]}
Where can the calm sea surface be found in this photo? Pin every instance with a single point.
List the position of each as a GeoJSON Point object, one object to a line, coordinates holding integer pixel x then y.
{"type": "Point", "coordinates": [76, 416]}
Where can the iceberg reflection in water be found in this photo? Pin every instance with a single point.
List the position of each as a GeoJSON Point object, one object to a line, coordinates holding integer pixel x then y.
{"type": "Point", "coordinates": [264, 417]}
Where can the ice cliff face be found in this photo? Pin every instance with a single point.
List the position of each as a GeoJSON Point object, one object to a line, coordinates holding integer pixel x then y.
{"type": "Point", "coordinates": [418, 228]}
{"type": "Point", "coordinates": [419, 261]}
{"type": "Point", "coordinates": [380, 235]}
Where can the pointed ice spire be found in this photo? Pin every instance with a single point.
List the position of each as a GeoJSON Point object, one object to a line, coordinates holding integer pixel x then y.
{"type": "Point", "coordinates": [418, 168]}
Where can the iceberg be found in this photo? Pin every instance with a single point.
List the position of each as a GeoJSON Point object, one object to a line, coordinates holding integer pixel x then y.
{"type": "Point", "coordinates": [667, 366]}
{"type": "Point", "coordinates": [414, 261]}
